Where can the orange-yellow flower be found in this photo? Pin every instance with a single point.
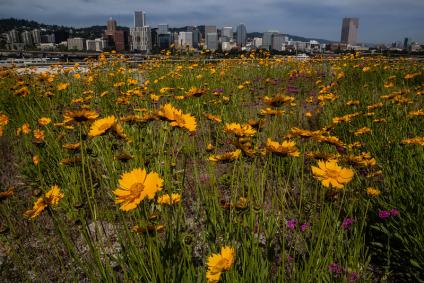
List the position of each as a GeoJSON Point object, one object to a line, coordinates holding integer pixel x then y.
{"type": "Point", "coordinates": [239, 130]}
{"type": "Point", "coordinates": [220, 262]}
{"type": "Point", "coordinates": [52, 197]}
{"type": "Point", "coordinates": [169, 199]}
{"type": "Point", "coordinates": [331, 174]}
{"type": "Point", "coordinates": [284, 148]}
{"type": "Point", "coordinates": [136, 186]}
{"type": "Point", "coordinates": [101, 126]}
{"type": "Point", "coordinates": [43, 121]}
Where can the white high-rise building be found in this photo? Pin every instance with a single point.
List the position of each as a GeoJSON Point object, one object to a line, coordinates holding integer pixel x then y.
{"type": "Point", "coordinates": [91, 44]}
{"type": "Point", "coordinates": [36, 36]}
{"type": "Point", "coordinates": [141, 39]}
{"type": "Point", "coordinates": [227, 32]}
{"type": "Point", "coordinates": [185, 39]}
{"type": "Point", "coordinates": [76, 43]}
{"type": "Point", "coordinates": [26, 38]}
{"type": "Point", "coordinates": [100, 44]}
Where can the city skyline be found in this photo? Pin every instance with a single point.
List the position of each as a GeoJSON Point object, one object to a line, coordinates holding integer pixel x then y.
{"type": "Point", "coordinates": [379, 23]}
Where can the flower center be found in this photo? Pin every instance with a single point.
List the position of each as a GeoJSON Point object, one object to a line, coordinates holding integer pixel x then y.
{"type": "Point", "coordinates": [137, 188]}
{"type": "Point", "coordinates": [332, 173]}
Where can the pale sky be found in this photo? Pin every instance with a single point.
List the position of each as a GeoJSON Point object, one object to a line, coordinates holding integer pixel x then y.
{"type": "Point", "coordinates": [380, 21]}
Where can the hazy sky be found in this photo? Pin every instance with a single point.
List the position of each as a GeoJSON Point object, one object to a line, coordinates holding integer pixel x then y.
{"type": "Point", "coordinates": [379, 20]}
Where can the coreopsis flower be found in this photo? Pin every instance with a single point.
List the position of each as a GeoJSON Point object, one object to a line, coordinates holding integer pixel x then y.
{"type": "Point", "coordinates": [220, 262]}
{"type": "Point", "coordinates": [36, 160]}
{"type": "Point", "coordinates": [271, 112]}
{"type": "Point", "coordinates": [4, 120]}
{"type": "Point", "coordinates": [135, 186]}
{"type": "Point", "coordinates": [352, 102]}
{"type": "Point", "coordinates": [279, 100]}
{"type": "Point", "coordinates": [330, 140]}
{"type": "Point", "coordinates": [346, 118]}
{"type": "Point", "coordinates": [239, 130]}
{"type": "Point", "coordinates": [375, 106]}
{"type": "Point", "coordinates": [411, 76]}
{"type": "Point", "coordinates": [169, 199]}
{"type": "Point", "coordinates": [284, 148]}
{"type": "Point", "coordinates": [214, 118]}
{"type": "Point", "coordinates": [373, 192]}
{"type": "Point", "coordinates": [24, 129]}
{"type": "Point", "coordinates": [331, 174]}
{"type": "Point", "coordinates": [416, 140]}
{"type": "Point", "coordinates": [72, 146]}
{"type": "Point", "coordinates": [362, 131]}
{"type": "Point", "coordinates": [294, 132]}
{"type": "Point", "coordinates": [177, 118]}
{"type": "Point", "coordinates": [38, 134]}
{"type": "Point", "coordinates": [228, 156]}
{"type": "Point", "coordinates": [7, 194]}
{"type": "Point", "coordinates": [52, 197]}
{"type": "Point", "coordinates": [416, 113]}
{"type": "Point", "coordinates": [366, 69]}
{"type": "Point", "coordinates": [24, 91]}
{"type": "Point", "coordinates": [196, 92]}
{"type": "Point", "coordinates": [43, 121]}
{"type": "Point", "coordinates": [101, 126]}
{"type": "Point", "coordinates": [62, 86]}
{"type": "Point", "coordinates": [80, 115]}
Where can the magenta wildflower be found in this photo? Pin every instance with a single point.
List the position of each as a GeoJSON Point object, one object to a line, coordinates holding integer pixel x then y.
{"type": "Point", "coordinates": [383, 214]}
{"type": "Point", "coordinates": [394, 212]}
{"type": "Point", "coordinates": [335, 268]}
{"type": "Point", "coordinates": [291, 224]}
{"type": "Point", "coordinates": [346, 223]}
{"type": "Point", "coordinates": [304, 227]}
{"type": "Point", "coordinates": [352, 277]}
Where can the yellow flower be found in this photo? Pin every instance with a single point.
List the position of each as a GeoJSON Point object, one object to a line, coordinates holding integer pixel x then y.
{"type": "Point", "coordinates": [62, 86]}
{"type": "Point", "coordinates": [362, 131]}
{"type": "Point", "coordinates": [4, 120]}
{"type": "Point", "coordinates": [101, 126]}
{"type": "Point", "coordinates": [52, 197]}
{"type": "Point", "coordinates": [36, 159]}
{"type": "Point", "coordinates": [284, 148]}
{"type": "Point", "coordinates": [39, 134]}
{"type": "Point", "coordinates": [372, 192]}
{"type": "Point", "coordinates": [169, 199]}
{"type": "Point", "coordinates": [177, 118]}
{"type": "Point", "coordinates": [136, 186]}
{"type": "Point", "coordinates": [38, 207]}
{"type": "Point", "coordinates": [366, 69]}
{"type": "Point", "coordinates": [220, 262]}
{"type": "Point", "coordinates": [416, 140]}
{"type": "Point", "coordinates": [239, 130]}
{"type": "Point", "coordinates": [329, 173]}
{"type": "Point", "coordinates": [417, 113]}
{"type": "Point", "coordinates": [43, 121]}
{"type": "Point", "coordinates": [228, 156]}
{"type": "Point", "coordinates": [80, 115]}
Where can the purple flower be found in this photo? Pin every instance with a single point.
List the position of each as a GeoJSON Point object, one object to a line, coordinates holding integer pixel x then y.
{"type": "Point", "coordinates": [346, 223]}
{"type": "Point", "coordinates": [291, 223]}
{"type": "Point", "coordinates": [352, 277]}
{"type": "Point", "coordinates": [335, 268]}
{"type": "Point", "coordinates": [383, 214]}
{"type": "Point", "coordinates": [304, 227]}
{"type": "Point", "coordinates": [394, 212]}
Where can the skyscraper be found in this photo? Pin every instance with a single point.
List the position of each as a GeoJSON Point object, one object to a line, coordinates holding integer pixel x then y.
{"type": "Point", "coordinates": [111, 26]}
{"type": "Point", "coordinates": [227, 32]}
{"type": "Point", "coordinates": [350, 30]}
{"type": "Point", "coordinates": [139, 19]}
{"type": "Point", "coordinates": [36, 36]}
{"type": "Point", "coordinates": [241, 35]}
{"type": "Point", "coordinates": [212, 41]}
{"type": "Point", "coordinates": [141, 39]}
{"type": "Point", "coordinates": [267, 39]}
{"type": "Point", "coordinates": [185, 39]}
